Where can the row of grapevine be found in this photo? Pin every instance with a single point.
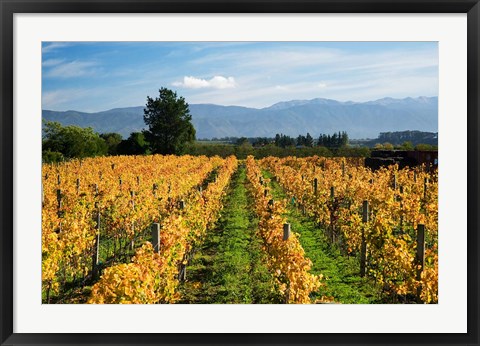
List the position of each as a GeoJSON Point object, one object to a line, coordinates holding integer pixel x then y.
{"type": "Point", "coordinates": [286, 257]}
{"type": "Point", "coordinates": [128, 192]}
{"type": "Point", "coordinates": [153, 275]}
{"type": "Point", "coordinates": [333, 191]}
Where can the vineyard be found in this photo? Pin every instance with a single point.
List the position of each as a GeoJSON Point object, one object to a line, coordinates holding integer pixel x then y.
{"type": "Point", "coordinates": [193, 229]}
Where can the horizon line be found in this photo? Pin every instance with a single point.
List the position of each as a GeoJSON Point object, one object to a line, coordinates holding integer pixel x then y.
{"type": "Point", "coordinates": [279, 102]}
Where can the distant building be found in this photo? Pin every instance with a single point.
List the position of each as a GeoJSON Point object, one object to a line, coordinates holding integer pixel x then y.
{"type": "Point", "coordinates": [404, 158]}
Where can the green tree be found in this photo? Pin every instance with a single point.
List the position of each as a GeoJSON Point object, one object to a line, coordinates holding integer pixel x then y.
{"type": "Point", "coordinates": [344, 137]}
{"type": "Point", "coordinates": [52, 156]}
{"type": "Point", "coordinates": [425, 147]}
{"type": "Point", "coordinates": [300, 140]}
{"type": "Point", "coordinates": [407, 145]}
{"type": "Point", "coordinates": [71, 141]}
{"type": "Point", "coordinates": [169, 123]}
{"type": "Point", "coordinates": [308, 140]}
{"type": "Point", "coordinates": [284, 141]}
{"type": "Point", "coordinates": [112, 140]}
{"type": "Point", "coordinates": [135, 144]}
{"type": "Point", "coordinates": [242, 141]}
{"type": "Point", "coordinates": [387, 146]}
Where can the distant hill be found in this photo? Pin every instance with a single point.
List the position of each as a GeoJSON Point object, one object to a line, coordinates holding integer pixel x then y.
{"type": "Point", "coordinates": [359, 119]}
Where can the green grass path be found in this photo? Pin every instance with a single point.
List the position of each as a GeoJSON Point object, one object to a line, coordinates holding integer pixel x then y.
{"type": "Point", "coordinates": [229, 266]}
{"type": "Point", "coordinates": [341, 272]}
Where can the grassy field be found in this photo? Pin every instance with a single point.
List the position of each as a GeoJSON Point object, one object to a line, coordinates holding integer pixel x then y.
{"type": "Point", "coordinates": [229, 267]}
{"type": "Point", "coordinates": [341, 272]}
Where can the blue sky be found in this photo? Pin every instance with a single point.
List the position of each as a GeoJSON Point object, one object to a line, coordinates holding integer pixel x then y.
{"type": "Point", "coordinates": [96, 76]}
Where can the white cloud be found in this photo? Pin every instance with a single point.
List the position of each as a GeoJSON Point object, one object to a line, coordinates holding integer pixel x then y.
{"type": "Point", "coordinates": [322, 85]}
{"type": "Point", "coordinates": [54, 46]}
{"type": "Point", "coordinates": [72, 69]}
{"type": "Point", "coordinates": [56, 99]}
{"type": "Point", "coordinates": [52, 62]}
{"type": "Point", "coordinates": [217, 82]}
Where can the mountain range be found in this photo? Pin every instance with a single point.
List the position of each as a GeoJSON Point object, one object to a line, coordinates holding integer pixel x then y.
{"type": "Point", "coordinates": [358, 119]}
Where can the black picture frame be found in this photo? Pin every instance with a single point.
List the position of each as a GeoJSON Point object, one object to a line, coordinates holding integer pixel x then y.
{"type": "Point", "coordinates": [7, 10]}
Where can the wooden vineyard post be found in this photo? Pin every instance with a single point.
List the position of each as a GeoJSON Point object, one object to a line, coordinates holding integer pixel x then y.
{"type": "Point", "coordinates": [59, 209]}
{"type": "Point", "coordinates": [132, 201]}
{"type": "Point", "coordinates": [286, 231]}
{"type": "Point", "coordinates": [270, 205]}
{"type": "Point", "coordinates": [425, 184]}
{"type": "Point", "coordinates": [315, 186]}
{"type": "Point", "coordinates": [343, 168]}
{"type": "Point", "coordinates": [182, 270]}
{"type": "Point", "coordinates": [96, 246]}
{"type": "Point", "coordinates": [265, 193]}
{"type": "Point", "coordinates": [132, 197]}
{"type": "Point", "coordinates": [401, 207]}
{"type": "Point", "coordinates": [183, 273]}
{"type": "Point", "coordinates": [363, 246]}
{"type": "Point", "coordinates": [394, 182]}
{"type": "Point", "coordinates": [156, 237]}
{"type": "Point", "coordinates": [78, 185]}
{"type": "Point", "coordinates": [59, 200]}
{"type": "Point", "coordinates": [332, 222]}
{"type": "Point", "coordinates": [420, 258]}
{"type": "Point", "coordinates": [181, 204]}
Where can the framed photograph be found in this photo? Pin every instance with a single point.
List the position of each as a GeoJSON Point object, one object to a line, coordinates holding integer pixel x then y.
{"type": "Point", "coordinates": [259, 172]}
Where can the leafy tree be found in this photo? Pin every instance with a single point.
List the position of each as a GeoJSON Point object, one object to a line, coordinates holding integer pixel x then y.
{"type": "Point", "coordinates": [52, 156]}
{"type": "Point", "coordinates": [135, 144]}
{"type": "Point", "coordinates": [242, 141]}
{"type": "Point", "coordinates": [407, 146]}
{"type": "Point", "coordinates": [308, 140]}
{"type": "Point", "coordinates": [169, 123]}
{"type": "Point", "coordinates": [261, 141]}
{"type": "Point", "coordinates": [71, 141]}
{"type": "Point", "coordinates": [112, 140]}
{"type": "Point", "coordinates": [423, 147]}
{"type": "Point", "coordinates": [387, 146]}
{"type": "Point", "coordinates": [344, 137]}
{"type": "Point", "coordinates": [337, 140]}
{"type": "Point", "coordinates": [284, 141]}
{"type": "Point", "coordinates": [301, 140]}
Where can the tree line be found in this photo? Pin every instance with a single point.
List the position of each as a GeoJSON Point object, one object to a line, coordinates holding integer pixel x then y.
{"type": "Point", "coordinates": [334, 141]}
